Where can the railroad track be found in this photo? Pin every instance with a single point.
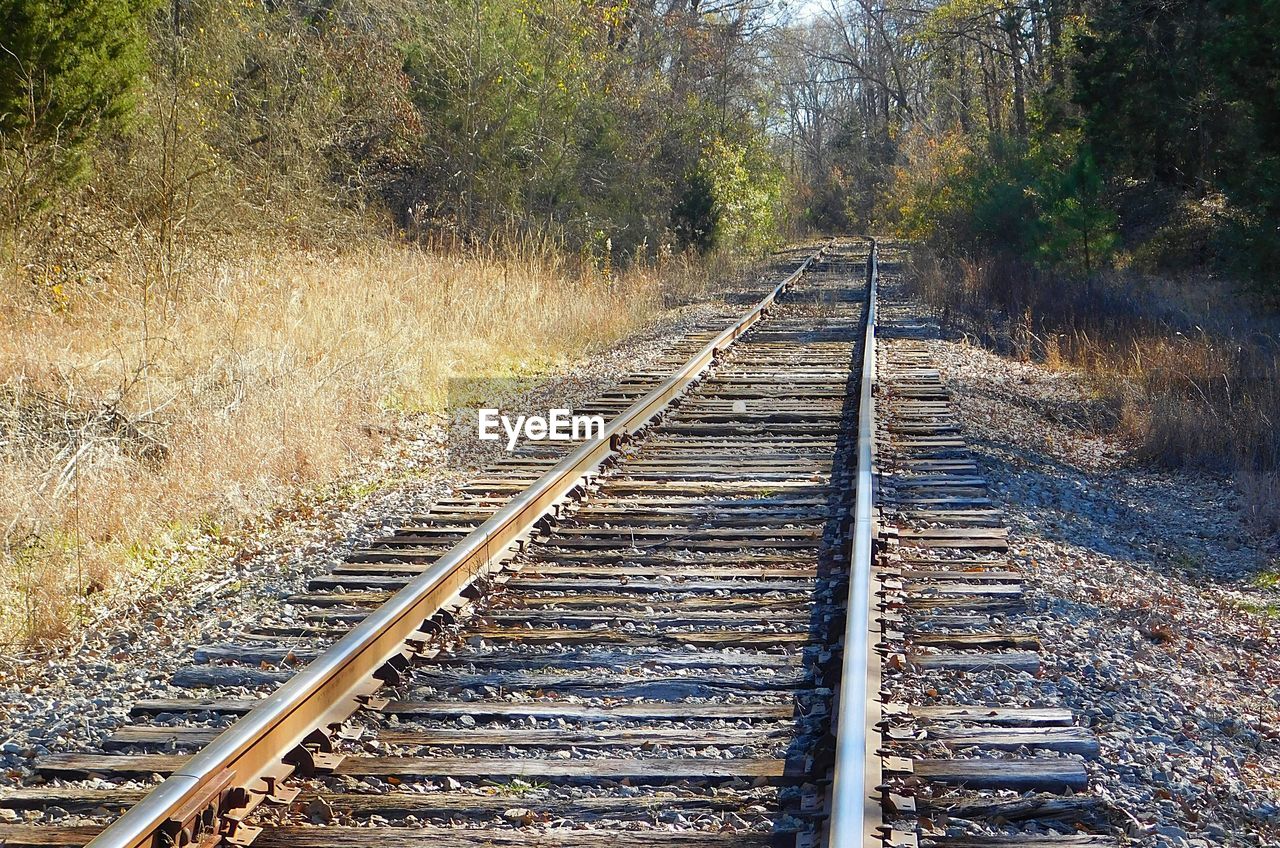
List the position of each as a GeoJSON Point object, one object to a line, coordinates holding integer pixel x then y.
{"type": "Point", "coordinates": [636, 642]}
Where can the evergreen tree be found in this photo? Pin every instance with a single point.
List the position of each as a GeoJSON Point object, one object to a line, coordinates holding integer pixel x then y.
{"type": "Point", "coordinates": [1247, 62]}
{"type": "Point", "coordinates": [67, 64]}
{"type": "Point", "coordinates": [66, 67]}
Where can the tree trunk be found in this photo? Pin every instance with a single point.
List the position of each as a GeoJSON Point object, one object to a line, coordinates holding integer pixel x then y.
{"type": "Point", "coordinates": [1012, 25]}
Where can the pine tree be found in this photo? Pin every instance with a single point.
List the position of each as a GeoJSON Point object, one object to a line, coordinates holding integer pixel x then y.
{"type": "Point", "coordinates": [66, 68]}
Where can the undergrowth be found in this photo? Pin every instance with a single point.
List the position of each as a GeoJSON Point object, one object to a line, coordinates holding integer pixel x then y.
{"type": "Point", "coordinates": [1193, 378]}
{"type": "Point", "coordinates": [132, 414]}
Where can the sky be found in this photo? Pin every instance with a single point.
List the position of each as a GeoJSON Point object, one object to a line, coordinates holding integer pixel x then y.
{"type": "Point", "coordinates": [804, 9]}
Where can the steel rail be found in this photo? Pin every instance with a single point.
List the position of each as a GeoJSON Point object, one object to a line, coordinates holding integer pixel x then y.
{"type": "Point", "coordinates": [203, 801]}
{"type": "Point", "coordinates": [855, 809]}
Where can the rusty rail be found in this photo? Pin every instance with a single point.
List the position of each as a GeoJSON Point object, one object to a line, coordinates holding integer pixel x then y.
{"type": "Point", "coordinates": [206, 800]}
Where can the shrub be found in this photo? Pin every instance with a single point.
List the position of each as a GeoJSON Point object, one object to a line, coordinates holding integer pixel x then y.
{"type": "Point", "coordinates": [1042, 202]}
{"type": "Point", "coordinates": [732, 199]}
{"type": "Point", "coordinates": [695, 219]}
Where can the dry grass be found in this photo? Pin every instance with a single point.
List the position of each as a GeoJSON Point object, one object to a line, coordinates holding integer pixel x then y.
{"type": "Point", "coordinates": [1193, 376]}
{"type": "Point", "coordinates": [128, 419]}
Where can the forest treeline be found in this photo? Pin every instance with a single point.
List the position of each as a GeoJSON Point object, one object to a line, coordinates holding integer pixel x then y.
{"type": "Point", "coordinates": [1067, 132]}
{"type": "Point", "coordinates": [610, 125]}
{"type": "Point", "coordinates": [1071, 133]}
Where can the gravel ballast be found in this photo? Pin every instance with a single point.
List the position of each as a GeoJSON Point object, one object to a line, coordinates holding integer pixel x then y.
{"type": "Point", "coordinates": [1150, 595]}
